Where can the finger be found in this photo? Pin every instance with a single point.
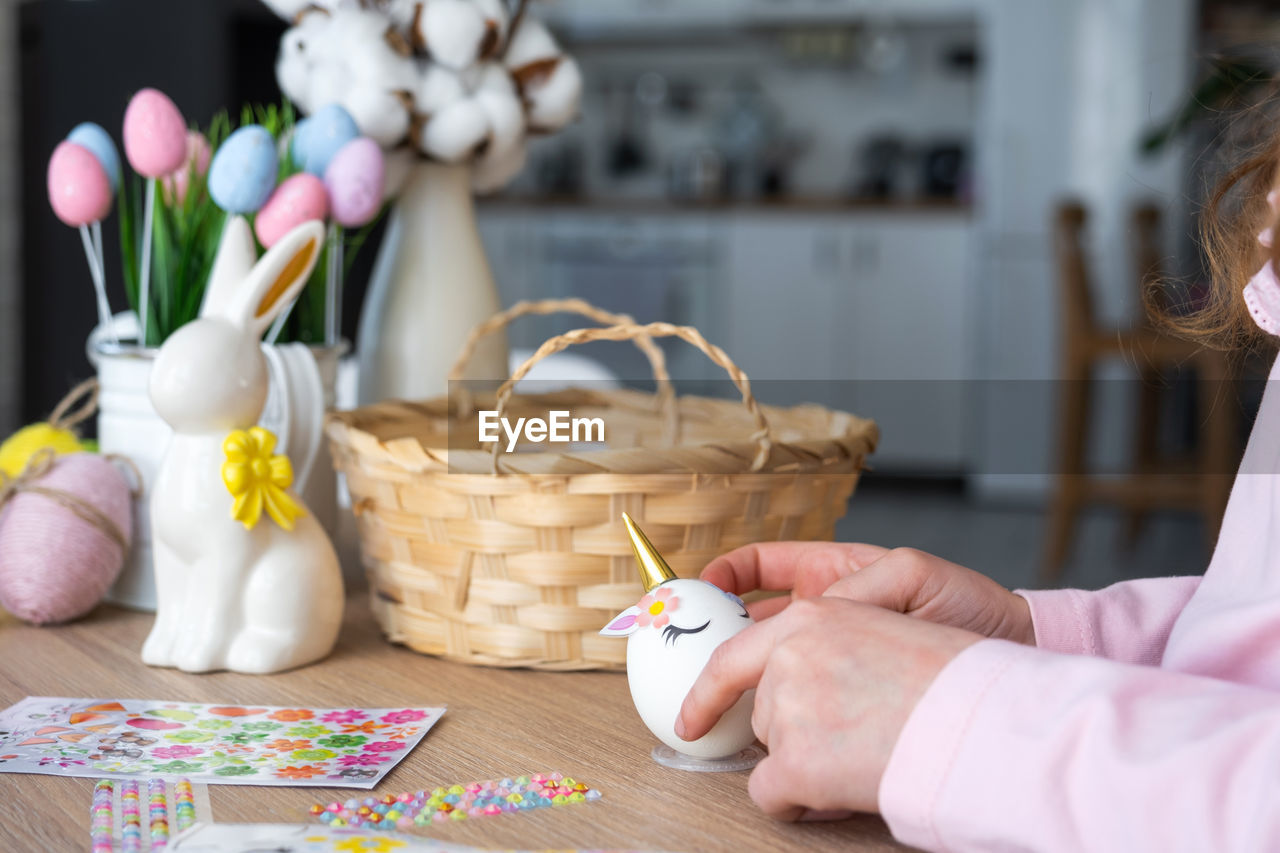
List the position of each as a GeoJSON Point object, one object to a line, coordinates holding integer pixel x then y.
{"type": "Point", "coordinates": [734, 668]}
{"type": "Point", "coordinates": [766, 607]}
{"type": "Point", "coordinates": [807, 567]}
{"type": "Point", "coordinates": [888, 583]}
{"type": "Point", "coordinates": [772, 791]}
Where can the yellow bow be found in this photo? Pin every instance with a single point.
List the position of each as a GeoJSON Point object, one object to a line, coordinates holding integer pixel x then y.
{"type": "Point", "coordinates": [257, 479]}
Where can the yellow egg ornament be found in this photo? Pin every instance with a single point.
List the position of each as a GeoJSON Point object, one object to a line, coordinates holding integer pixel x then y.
{"type": "Point", "coordinates": [18, 448]}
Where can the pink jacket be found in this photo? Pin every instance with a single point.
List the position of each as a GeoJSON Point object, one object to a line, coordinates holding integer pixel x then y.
{"type": "Point", "coordinates": [1147, 718]}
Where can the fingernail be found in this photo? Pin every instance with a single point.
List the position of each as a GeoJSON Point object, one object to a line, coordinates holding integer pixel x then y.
{"type": "Point", "coordinates": [680, 727]}
{"type": "Point", "coordinates": [813, 815]}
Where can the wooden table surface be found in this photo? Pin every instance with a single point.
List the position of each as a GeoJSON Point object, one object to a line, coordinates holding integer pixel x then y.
{"type": "Point", "coordinates": [499, 723]}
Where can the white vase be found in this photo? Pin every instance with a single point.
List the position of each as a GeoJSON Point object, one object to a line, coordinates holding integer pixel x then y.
{"type": "Point", "coordinates": [129, 426]}
{"type": "Point", "coordinates": [431, 284]}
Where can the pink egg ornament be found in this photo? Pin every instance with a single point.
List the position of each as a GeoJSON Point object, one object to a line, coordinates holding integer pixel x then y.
{"type": "Point", "coordinates": [79, 189]}
{"type": "Point", "coordinates": [355, 179]}
{"type": "Point", "coordinates": [198, 156]}
{"type": "Point", "coordinates": [155, 135]}
{"type": "Point", "coordinates": [55, 565]}
{"type": "Point", "coordinates": [299, 198]}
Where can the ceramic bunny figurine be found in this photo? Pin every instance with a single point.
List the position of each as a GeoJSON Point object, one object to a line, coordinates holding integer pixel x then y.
{"type": "Point", "coordinates": [671, 635]}
{"type": "Point", "coordinates": [251, 599]}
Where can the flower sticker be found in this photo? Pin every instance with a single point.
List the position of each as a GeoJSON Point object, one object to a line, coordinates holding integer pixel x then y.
{"type": "Point", "coordinates": [367, 759]}
{"type": "Point", "coordinates": [307, 730]}
{"type": "Point", "coordinates": [291, 715]}
{"type": "Point", "coordinates": [409, 715]}
{"type": "Point", "coordinates": [313, 754]}
{"type": "Point", "coordinates": [369, 844]}
{"type": "Point", "coordinates": [176, 751]}
{"type": "Point", "coordinates": [190, 736]}
{"type": "Point", "coordinates": [285, 745]}
{"type": "Point", "coordinates": [341, 741]}
{"type": "Point", "coordinates": [368, 727]}
{"type": "Point", "coordinates": [343, 716]}
{"type": "Point", "coordinates": [656, 607]}
{"type": "Point", "coordinates": [178, 767]}
{"type": "Point", "coordinates": [260, 726]}
{"type": "Point", "coordinates": [306, 771]}
{"type": "Point", "coordinates": [383, 746]}
{"type": "Point", "coordinates": [236, 770]}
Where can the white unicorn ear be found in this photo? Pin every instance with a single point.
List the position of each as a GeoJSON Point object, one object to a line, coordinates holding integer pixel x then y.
{"type": "Point", "coordinates": [622, 625]}
{"type": "Point", "coordinates": [237, 253]}
{"type": "Point", "coordinates": [277, 279]}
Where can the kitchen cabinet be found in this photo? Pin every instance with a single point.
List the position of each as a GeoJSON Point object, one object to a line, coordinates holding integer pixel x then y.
{"type": "Point", "coordinates": [865, 312]}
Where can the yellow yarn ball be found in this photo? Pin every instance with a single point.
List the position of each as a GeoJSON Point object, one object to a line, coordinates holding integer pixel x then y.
{"type": "Point", "coordinates": [18, 448]}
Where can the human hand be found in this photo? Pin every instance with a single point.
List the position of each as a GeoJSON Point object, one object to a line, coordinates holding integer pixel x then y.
{"type": "Point", "coordinates": [901, 579]}
{"type": "Point", "coordinates": [835, 682]}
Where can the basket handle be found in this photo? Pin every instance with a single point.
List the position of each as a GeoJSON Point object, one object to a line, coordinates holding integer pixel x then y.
{"type": "Point", "coordinates": [629, 331]}
{"type": "Point", "coordinates": [658, 361]}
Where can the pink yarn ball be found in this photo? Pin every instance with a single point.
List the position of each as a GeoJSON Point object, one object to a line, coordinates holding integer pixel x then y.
{"type": "Point", "coordinates": [79, 189]}
{"type": "Point", "coordinates": [299, 198]}
{"type": "Point", "coordinates": [355, 179]}
{"type": "Point", "coordinates": [155, 135]}
{"type": "Point", "coordinates": [198, 156]}
{"type": "Point", "coordinates": [54, 565]}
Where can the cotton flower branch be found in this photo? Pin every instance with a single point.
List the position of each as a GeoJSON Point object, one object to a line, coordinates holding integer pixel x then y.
{"type": "Point", "coordinates": [459, 81]}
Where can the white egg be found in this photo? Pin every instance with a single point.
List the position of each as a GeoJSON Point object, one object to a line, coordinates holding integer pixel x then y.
{"type": "Point", "coordinates": [670, 637]}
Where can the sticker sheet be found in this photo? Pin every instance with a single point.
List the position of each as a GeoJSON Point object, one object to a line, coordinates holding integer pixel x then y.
{"type": "Point", "coordinates": [214, 744]}
{"type": "Point", "coordinates": [288, 838]}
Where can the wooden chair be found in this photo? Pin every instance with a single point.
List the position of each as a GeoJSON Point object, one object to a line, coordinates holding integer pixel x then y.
{"type": "Point", "coordinates": [1154, 483]}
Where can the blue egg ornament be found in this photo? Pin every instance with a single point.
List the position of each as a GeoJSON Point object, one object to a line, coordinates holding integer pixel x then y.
{"type": "Point", "coordinates": [327, 130]}
{"type": "Point", "coordinates": [243, 172]}
{"type": "Point", "coordinates": [98, 141]}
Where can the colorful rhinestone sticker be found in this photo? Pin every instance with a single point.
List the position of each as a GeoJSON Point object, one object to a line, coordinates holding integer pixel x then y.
{"type": "Point", "coordinates": [212, 744]}
{"type": "Point", "coordinates": [102, 822]}
{"type": "Point", "coordinates": [456, 802]}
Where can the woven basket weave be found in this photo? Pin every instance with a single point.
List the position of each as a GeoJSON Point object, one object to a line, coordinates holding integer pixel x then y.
{"type": "Point", "coordinates": [519, 560]}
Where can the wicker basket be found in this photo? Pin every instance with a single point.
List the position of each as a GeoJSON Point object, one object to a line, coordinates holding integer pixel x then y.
{"type": "Point", "coordinates": [471, 562]}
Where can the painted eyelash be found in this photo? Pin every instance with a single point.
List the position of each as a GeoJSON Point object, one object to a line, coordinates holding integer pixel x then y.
{"type": "Point", "coordinates": [671, 633]}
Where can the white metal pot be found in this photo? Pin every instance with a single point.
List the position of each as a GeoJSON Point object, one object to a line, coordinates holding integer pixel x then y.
{"type": "Point", "coordinates": [303, 380]}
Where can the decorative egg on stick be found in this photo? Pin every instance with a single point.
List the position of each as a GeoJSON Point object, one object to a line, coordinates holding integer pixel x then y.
{"type": "Point", "coordinates": [671, 634]}
{"type": "Point", "coordinates": [155, 141]}
{"type": "Point", "coordinates": [80, 195]}
{"type": "Point", "coordinates": [355, 178]}
{"type": "Point", "coordinates": [299, 198]}
{"type": "Point", "coordinates": [197, 164]}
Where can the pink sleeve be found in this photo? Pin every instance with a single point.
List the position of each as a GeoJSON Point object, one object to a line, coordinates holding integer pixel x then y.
{"type": "Point", "coordinates": [1128, 622]}
{"type": "Point", "coordinates": [1013, 748]}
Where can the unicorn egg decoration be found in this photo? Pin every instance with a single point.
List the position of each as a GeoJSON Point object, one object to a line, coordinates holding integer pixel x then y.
{"type": "Point", "coordinates": [671, 634]}
{"type": "Point", "coordinates": [246, 578]}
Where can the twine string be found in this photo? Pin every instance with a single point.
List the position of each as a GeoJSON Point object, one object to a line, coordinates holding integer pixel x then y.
{"type": "Point", "coordinates": [66, 415]}
{"type": "Point", "coordinates": [27, 481]}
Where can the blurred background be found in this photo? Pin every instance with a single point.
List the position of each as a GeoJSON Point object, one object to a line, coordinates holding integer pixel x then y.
{"type": "Point", "coordinates": [935, 213]}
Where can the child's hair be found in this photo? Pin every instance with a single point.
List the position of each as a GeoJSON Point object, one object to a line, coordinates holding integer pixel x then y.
{"type": "Point", "coordinates": [1236, 213]}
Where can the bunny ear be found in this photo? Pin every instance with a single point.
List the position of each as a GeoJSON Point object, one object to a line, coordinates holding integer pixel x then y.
{"type": "Point", "coordinates": [622, 625]}
{"type": "Point", "coordinates": [277, 279]}
{"type": "Point", "coordinates": [237, 253]}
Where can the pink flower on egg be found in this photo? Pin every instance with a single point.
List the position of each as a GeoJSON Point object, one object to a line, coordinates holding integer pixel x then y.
{"type": "Point", "coordinates": [409, 715]}
{"type": "Point", "coordinates": [655, 608]}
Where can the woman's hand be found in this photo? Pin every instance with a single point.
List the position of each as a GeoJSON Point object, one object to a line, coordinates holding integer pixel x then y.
{"type": "Point", "coordinates": [902, 579]}
{"type": "Point", "coordinates": [835, 682]}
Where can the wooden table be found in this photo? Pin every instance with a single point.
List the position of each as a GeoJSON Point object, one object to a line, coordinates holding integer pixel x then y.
{"type": "Point", "coordinates": [499, 723]}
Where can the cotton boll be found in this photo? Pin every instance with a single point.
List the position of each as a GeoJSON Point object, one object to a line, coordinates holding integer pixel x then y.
{"type": "Point", "coordinates": [293, 73]}
{"type": "Point", "coordinates": [493, 170]}
{"type": "Point", "coordinates": [330, 83]}
{"type": "Point", "coordinates": [493, 77]}
{"type": "Point", "coordinates": [437, 88]}
{"type": "Point", "coordinates": [454, 132]}
{"type": "Point", "coordinates": [496, 12]}
{"type": "Point", "coordinates": [453, 32]}
{"type": "Point", "coordinates": [506, 120]}
{"type": "Point", "coordinates": [381, 116]}
{"type": "Point", "coordinates": [377, 63]}
{"type": "Point", "coordinates": [532, 43]}
{"type": "Point", "coordinates": [289, 9]}
{"type": "Point", "coordinates": [554, 100]}
{"type": "Point", "coordinates": [401, 12]}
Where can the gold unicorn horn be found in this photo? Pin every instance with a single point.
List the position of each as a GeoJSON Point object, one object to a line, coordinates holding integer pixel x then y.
{"type": "Point", "coordinates": [653, 569]}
